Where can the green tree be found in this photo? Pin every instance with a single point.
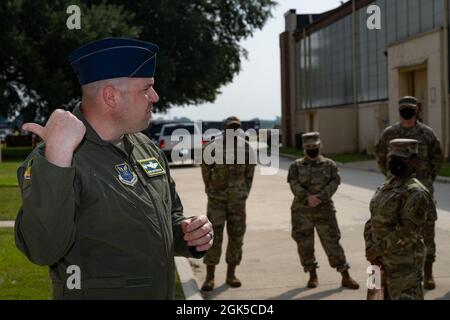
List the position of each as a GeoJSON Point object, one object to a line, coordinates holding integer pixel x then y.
{"type": "Point", "coordinates": [199, 41]}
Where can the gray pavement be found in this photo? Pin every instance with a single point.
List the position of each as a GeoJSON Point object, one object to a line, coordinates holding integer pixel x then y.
{"type": "Point", "coordinates": [271, 269]}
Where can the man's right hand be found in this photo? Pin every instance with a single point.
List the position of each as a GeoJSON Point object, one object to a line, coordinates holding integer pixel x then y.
{"type": "Point", "coordinates": [313, 201]}
{"type": "Point", "coordinates": [62, 134]}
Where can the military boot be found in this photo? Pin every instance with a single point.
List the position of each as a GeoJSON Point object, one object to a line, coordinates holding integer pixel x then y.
{"type": "Point", "coordinates": [428, 282]}
{"type": "Point", "coordinates": [208, 285]}
{"type": "Point", "coordinates": [348, 282]}
{"type": "Point", "coordinates": [313, 282]}
{"type": "Point", "coordinates": [232, 281]}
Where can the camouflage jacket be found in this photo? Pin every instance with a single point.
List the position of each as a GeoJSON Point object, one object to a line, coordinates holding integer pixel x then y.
{"type": "Point", "coordinates": [229, 179]}
{"type": "Point", "coordinates": [398, 212]}
{"type": "Point", "coordinates": [430, 155]}
{"type": "Point", "coordinates": [307, 177]}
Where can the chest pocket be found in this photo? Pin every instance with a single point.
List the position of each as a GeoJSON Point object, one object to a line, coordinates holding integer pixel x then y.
{"type": "Point", "coordinates": [423, 150]}
{"type": "Point", "coordinates": [304, 174]}
{"type": "Point", "coordinates": [320, 175]}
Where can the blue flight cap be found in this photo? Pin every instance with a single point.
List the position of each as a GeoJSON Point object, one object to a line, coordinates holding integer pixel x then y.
{"type": "Point", "coordinates": [114, 58]}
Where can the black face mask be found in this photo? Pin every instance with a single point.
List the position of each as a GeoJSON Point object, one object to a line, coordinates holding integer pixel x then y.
{"type": "Point", "coordinates": [398, 167]}
{"type": "Point", "coordinates": [407, 113]}
{"type": "Point", "coordinates": [312, 153]}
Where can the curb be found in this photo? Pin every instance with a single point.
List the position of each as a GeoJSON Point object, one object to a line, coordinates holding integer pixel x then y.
{"type": "Point", "coordinates": [289, 156]}
{"type": "Point", "coordinates": [187, 279]}
{"type": "Point", "coordinates": [6, 224]}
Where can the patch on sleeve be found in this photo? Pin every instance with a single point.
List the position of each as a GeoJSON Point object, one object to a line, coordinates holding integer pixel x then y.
{"type": "Point", "coordinates": [152, 167]}
{"type": "Point", "coordinates": [27, 173]}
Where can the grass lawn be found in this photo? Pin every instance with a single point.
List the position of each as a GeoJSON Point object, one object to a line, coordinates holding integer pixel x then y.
{"type": "Point", "coordinates": [19, 278]}
{"type": "Point", "coordinates": [445, 170]}
{"type": "Point", "coordinates": [343, 158]}
{"type": "Point", "coordinates": [9, 192]}
{"type": "Point", "coordinates": [8, 173]}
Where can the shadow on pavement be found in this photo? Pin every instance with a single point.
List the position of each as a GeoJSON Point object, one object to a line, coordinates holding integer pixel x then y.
{"type": "Point", "coordinates": [445, 297]}
{"type": "Point", "coordinates": [323, 294]}
{"type": "Point", "coordinates": [212, 294]}
{"type": "Point", "coordinates": [288, 295]}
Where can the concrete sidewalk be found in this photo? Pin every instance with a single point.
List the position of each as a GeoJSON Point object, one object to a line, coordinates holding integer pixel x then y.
{"type": "Point", "coordinates": [6, 224]}
{"type": "Point", "coordinates": [270, 268]}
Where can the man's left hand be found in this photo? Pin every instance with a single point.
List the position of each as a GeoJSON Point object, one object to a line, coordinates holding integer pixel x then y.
{"type": "Point", "coordinates": [198, 232]}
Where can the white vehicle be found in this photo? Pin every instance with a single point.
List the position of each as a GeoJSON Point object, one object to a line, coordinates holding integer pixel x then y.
{"type": "Point", "coordinates": [185, 137]}
{"type": "Point", "coordinates": [3, 133]}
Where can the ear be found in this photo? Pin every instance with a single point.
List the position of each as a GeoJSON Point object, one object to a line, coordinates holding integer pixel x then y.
{"type": "Point", "coordinates": [110, 96]}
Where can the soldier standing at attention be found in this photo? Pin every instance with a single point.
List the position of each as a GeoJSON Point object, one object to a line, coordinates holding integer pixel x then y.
{"type": "Point", "coordinates": [98, 196]}
{"type": "Point", "coordinates": [313, 180]}
{"type": "Point", "coordinates": [429, 162]}
{"type": "Point", "coordinates": [398, 213]}
{"type": "Point", "coordinates": [227, 185]}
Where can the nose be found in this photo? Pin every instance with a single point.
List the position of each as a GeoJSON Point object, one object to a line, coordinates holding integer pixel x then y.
{"type": "Point", "coordinates": [154, 98]}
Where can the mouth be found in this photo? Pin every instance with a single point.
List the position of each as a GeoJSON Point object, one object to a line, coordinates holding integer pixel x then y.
{"type": "Point", "coordinates": [150, 109]}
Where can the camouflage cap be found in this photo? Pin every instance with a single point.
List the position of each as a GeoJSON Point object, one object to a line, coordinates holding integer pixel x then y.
{"type": "Point", "coordinates": [311, 138]}
{"type": "Point", "coordinates": [231, 120]}
{"type": "Point", "coordinates": [403, 147]}
{"type": "Point", "coordinates": [407, 101]}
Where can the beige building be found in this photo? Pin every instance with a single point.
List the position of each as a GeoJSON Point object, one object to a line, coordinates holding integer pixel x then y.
{"type": "Point", "coordinates": [343, 79]}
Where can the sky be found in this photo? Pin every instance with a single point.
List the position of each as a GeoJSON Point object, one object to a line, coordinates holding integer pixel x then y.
{"type": "Point", "coordinates": [256, 91]}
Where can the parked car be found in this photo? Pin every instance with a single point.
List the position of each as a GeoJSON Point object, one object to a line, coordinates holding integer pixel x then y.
{"type": "Point", "coordinates": [3, 133]}
{"type": "Point", "coordinates": [172, 134]}
{"type": "Point", "coordinates": [154, 129]}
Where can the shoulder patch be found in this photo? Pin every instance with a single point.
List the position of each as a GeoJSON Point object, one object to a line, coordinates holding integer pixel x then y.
{"type": "Point", "coordinates": [27, 173]}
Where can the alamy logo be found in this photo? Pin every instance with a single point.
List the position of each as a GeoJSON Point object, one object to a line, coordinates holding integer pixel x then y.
{"type": "Point", "coordinates": [74, 280]}
{"type": "Point", "coordinates": [74, 20]}
{"type": "Point", "coordinates": [374, 21]}
{"type": "Point", "coordinates": [374, 279]}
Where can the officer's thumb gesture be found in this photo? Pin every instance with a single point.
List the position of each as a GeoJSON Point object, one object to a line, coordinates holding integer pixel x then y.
{"type": "Point", "coordinates": [62, 134]}
{"type": "Point", "coordinates": [34, 128]}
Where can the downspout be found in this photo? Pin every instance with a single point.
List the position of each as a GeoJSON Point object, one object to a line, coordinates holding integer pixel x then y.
{"type": "Point", "coordinates": [446, 111]}
{"type": "Point", "coordinates": [355, 83]}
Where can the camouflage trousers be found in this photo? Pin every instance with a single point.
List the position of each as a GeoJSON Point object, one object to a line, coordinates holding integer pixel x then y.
{"type": "Point", "coordinates": [231, 212]}
{"type": "Point", "coordinates": [429, 228]}
{"type": "Point", "coordinates": [405, 282]}
{"type": "Point", "coordinates": [324, 221]}
{"type": "Point", "coordinates": [428, 237]}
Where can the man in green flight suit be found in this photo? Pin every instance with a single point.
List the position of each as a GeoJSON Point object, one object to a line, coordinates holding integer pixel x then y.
{"type": "Point", "coordinates": [98, 197]}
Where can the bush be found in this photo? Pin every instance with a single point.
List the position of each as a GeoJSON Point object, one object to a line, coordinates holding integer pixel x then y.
{"type": "Point", "coordinates": [17, 153]}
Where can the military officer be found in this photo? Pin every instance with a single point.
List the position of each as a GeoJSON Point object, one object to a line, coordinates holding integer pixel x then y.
{"type": "Point", "coordinates": [398, 213]}
{"type": "Point", "coordinates": [227, 184]}
{"type": "Point", "coordinates": [313, 180]}
{"type": "Point", "coordinates": [98, 196]}
{"type": "Point", "coordinates": [429, 162]}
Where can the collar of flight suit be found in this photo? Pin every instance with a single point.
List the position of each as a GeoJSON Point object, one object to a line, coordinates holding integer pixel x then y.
{"type": "Point", "coordinates": [93, 136]}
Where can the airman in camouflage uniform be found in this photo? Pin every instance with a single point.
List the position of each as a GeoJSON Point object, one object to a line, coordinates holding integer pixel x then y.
{"type": "Point", "coordinates": [429, 161]}
{"type": "Point", "coordinates": [313, 180]}
{"type": "Point", "coordinates": [227, 186]}
{"type": "Point", "coordinates": [394, 235]}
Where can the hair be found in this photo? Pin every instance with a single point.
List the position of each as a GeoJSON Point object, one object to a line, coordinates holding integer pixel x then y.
{"type": "Point", "coordinates": [92, 90]}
